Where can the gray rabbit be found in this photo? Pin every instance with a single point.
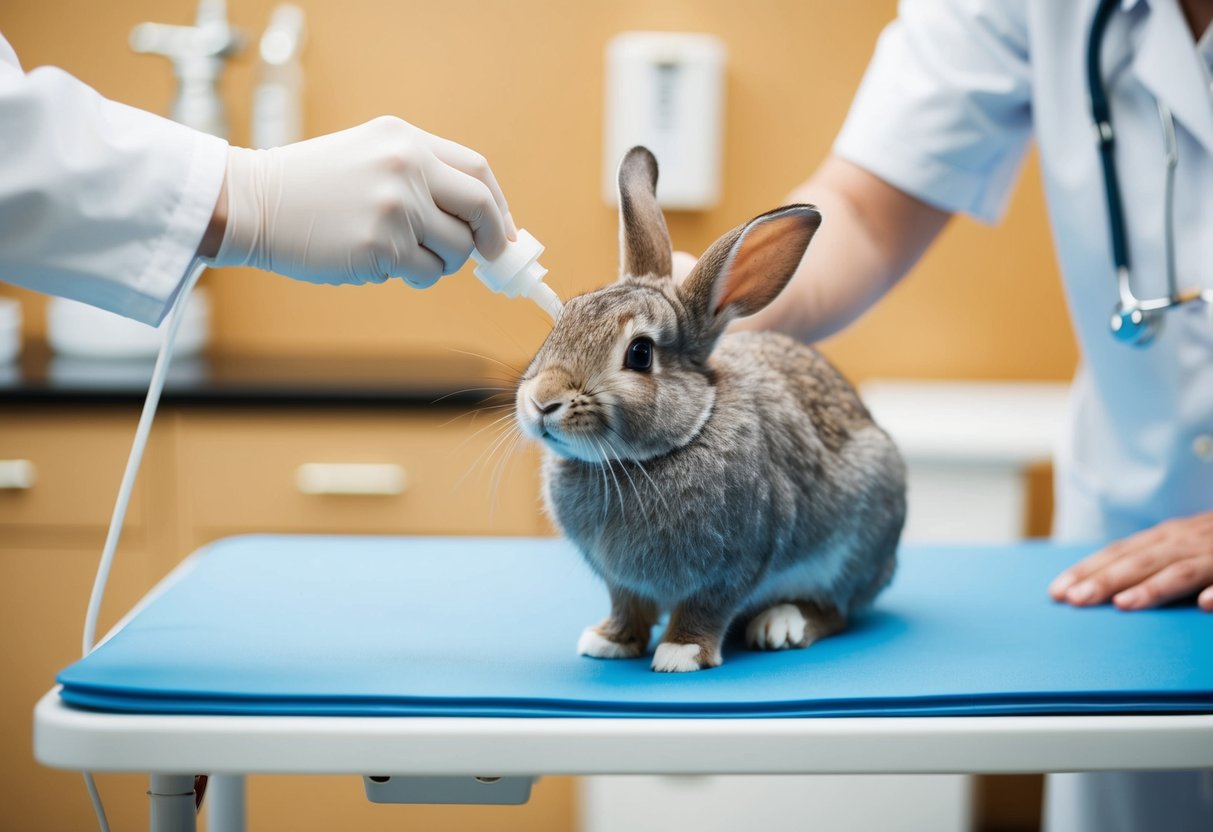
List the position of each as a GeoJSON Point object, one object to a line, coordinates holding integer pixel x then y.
{"type": "Point", "coordinates": [722, 479]}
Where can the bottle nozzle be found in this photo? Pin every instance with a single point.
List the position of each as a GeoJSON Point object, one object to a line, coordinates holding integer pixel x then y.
{"type": "Point", "coordinates": [517, 272]}
{"type": "Point", "coordinates": [547, 299]}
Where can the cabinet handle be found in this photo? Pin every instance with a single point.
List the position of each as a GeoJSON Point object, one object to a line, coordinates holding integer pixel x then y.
{"type": "Point", "coordinates": [16, 475]}
{"type": "Point", "coordinates": [351, 478]}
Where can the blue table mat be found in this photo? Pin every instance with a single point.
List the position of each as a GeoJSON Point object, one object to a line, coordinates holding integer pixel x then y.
{"type": "Point", "coordinates": [314, 625]}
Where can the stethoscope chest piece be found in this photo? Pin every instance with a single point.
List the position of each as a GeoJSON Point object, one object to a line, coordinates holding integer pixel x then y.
{"type": "Point", "coordinates": [1136, 320]}
{"type": "Point", "coordinates": [1132, 325]}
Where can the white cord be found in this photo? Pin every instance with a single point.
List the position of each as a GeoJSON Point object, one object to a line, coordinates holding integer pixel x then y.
{"type": "Point", "coordinates": [95, 797]}
{"type": "Point", "coordinates": [124, 493]}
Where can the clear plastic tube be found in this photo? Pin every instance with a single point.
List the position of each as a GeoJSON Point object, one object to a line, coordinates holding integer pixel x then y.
{"type": "Point", "coordinates": [112, 537]}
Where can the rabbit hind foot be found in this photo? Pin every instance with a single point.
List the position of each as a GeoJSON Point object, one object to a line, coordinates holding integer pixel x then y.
{"type": "Point", "coordinates": [792, 625]}
{"type": "Point", "coordinates": [672, 657]}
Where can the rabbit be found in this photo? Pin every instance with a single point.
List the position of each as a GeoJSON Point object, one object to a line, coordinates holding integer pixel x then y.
{"type": "Point", "coordinates": [718, 477]}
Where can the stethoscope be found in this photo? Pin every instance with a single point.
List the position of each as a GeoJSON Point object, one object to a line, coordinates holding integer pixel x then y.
{"type": "Point", "coordinates": [1135, 320]}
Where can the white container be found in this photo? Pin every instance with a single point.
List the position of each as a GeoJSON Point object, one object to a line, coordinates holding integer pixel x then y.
{"type": "Point", "coordinates": [10, 330]}
{"type": "Point", "coordinates": [76, 329]}
{"type": "Point", "coordinates": [665, 90]}
{"type": "Point", "coordinates": [278, 97]}
{"type": "Point", "coordinates": [967, 447]}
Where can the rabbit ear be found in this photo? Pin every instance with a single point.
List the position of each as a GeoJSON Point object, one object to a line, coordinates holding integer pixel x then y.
{"type": "Point", "coordinates": [745, 269]}
{"type": "Point", "coordinates": [644, 240]}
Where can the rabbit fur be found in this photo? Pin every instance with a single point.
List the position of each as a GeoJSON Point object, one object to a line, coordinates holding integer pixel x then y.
{"type": "Point", "coordinates": [735, 478]}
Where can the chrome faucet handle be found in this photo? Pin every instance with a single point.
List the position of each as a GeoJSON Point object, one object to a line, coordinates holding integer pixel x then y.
{"type": "Point", "coordinates": [198, 54]}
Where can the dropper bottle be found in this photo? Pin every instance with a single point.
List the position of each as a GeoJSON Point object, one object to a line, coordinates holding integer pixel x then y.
{"type": "Point", "coordinates": [516, 271]}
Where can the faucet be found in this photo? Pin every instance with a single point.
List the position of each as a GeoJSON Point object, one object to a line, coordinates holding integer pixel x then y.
{"type": "Point", "coordinates": [198, 53]}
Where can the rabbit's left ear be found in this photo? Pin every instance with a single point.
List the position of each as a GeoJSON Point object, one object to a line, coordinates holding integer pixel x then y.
{"type": "Point", "coordinates": [644, 240]}
{"type": "Point", "coordinates": [745, 269]}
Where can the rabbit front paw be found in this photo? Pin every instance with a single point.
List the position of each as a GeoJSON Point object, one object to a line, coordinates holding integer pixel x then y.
{"type": "Point", "coordinates": [781, 627]}
{"type": "Point", "coordinates": [593, 643]}
{"type": "Point", "coordinates": [682, 658]}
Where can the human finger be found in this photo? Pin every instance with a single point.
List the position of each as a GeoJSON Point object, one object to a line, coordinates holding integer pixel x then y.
{"type": "Point", "coordinates": [420, 267]}
{"type": "Point", "coordinates": [467, 198]}
{"type": "Point", "coordinates": [681, 265]}
{"type": "Point", "coordinates": [1205, 601]}
{"type": "Point", "coordinates": [447, 237]}
{"type": "Point", "coordinates": [1129, 569]}
{"type": "Point", "coordinates": [474, 164]}
{"type": "Point", "coordinates": [1176, 580]}
{"type": "Point", "coordinates": [1088, 566]}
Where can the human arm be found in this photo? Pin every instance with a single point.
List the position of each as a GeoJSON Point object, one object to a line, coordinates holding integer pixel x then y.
{"type": "Point", "coordinates": [1169, 561]}
{"type": "Point", "coordinates": [870, 236]}
{"type": "Point", "coordinates": [99, 201]}
{"type": "Point", "coordinates": [380, 200]}
{"type": "Point", "coordinates": [940, 125]}
{"type": "Point", "coordinates": [110, 205]}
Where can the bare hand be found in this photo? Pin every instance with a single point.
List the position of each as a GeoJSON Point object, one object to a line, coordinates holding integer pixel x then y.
{"type": "Point", "coordinates": [683, 262]}
{"type": "Point", "coordinates": [1172, 560]}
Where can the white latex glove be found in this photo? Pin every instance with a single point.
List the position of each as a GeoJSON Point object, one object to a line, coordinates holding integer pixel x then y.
{"type": "Point", "coordinates": [383, 199]}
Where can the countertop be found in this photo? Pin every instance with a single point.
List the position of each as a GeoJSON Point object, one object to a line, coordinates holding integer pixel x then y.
{"type": "Point", "coordinates": [445, 378]}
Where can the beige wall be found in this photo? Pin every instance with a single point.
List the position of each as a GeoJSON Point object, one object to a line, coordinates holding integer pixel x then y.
{"type": "Point", "coordinates": [521, 81]}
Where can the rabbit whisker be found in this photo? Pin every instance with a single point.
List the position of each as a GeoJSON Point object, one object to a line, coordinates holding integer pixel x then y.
{"type": "Point", "coordinates": [503, 462]}
{"type": "Point", "coordinates": [468, 390]}
{"type": "Point", "coordinates": [517, 373]}
{"type": "Point", "coordinates": [640, 503]}
{"type": "Point", "coordinates": [640, 465]}
{"type": "Point", "coordinates": [485, 454]}
{"type": "Point", "coordinates": [607, 462]}
{"type": "Point", "coordinates": [491, 424]}
{"type": "Point", "coordinates": [472, 414]}
{"type": "Point", "coordinates": [606, 491]}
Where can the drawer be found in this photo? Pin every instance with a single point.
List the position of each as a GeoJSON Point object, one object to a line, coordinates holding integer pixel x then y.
{"type": "Point", "coordinates": [381, 473]}
{"type": "Point", "coordinates": [61, 470]}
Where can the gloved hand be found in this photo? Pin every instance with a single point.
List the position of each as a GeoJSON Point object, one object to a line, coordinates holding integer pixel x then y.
{"type": "Point", "coordinates": [383, 199]}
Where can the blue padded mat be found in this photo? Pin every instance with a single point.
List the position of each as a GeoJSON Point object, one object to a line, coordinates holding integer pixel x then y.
{"type": "Point", "coordinates": [488, 626]}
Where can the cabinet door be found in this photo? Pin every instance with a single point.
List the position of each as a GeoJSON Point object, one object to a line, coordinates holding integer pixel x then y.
{"type": "Point", "coordinates": [60, 469]}
{"type": "Point", "coordinates": [395, 472]}
{"type": "Point", "coordinates": [59, 474]}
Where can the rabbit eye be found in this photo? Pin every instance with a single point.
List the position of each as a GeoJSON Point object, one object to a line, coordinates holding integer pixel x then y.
{"type": "Point", "coordinates": [639, 355]}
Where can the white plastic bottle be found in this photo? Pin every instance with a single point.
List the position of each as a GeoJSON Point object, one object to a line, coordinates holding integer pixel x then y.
{"type": "Point", "coordinates": [517, 272]}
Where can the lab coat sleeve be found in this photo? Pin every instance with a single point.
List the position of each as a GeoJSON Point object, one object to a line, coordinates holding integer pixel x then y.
{"type": "Point", "coordinates": [99, 202]}
{"type": "Point", "coordinates": [944, 110]}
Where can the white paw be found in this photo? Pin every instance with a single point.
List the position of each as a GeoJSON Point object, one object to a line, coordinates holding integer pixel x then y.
{"type": "Point", "coordinates": [777, 628]}
{"type": "Point", "coordinates": [592, 643]}
{"type": "Point", "coordinates": [676, 658]}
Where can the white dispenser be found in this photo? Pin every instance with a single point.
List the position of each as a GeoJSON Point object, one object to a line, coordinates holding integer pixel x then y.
{"type": "Point", "coordinates": [278, 98]}
{"type": "Point", "coordinates": [665, 90]}
{"type": "Point", "coordinates": [10, 330]}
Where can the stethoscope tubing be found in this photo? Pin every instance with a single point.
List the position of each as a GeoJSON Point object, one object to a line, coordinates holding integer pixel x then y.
{"type": "Point", "coordinates": [1135, 319]}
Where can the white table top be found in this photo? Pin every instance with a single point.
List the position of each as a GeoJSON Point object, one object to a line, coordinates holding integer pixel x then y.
{"type": "Point", "coordinates": [74, 739]}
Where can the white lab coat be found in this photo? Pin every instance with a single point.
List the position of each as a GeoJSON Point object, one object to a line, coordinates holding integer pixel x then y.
{"type": "Point", "coordinates": [955, 92]}
{"type": "Point", "coordinates": [99, 202]}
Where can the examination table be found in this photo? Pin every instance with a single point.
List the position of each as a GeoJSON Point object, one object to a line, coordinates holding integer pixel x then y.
{"type": "Point", "coordinates": [444, 669]}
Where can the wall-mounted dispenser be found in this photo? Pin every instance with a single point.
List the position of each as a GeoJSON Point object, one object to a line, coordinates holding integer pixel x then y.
{"type": "Point", "coordinates": [665, 90]}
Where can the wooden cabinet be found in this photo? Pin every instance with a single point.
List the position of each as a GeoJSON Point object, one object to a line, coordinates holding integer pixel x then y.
{"type": "Point", "coordinates": [377, 473]}
{"type": "Point", "coordinates": [210, 472]}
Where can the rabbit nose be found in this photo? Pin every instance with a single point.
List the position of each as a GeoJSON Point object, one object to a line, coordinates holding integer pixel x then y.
{"type": "Point", "coordinates": [547, 408]}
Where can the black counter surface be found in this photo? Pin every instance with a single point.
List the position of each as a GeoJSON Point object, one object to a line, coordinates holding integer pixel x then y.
{"type": "Point", "coordinates": [443, 378]}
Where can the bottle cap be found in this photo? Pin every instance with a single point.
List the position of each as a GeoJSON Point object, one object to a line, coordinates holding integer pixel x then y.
{"type": "Point", "coordinates": [516, 271]}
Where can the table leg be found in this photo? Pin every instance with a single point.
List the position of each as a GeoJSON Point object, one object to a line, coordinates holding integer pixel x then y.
{"type": "Point", "coordinates": [172, 803]}
{"type": "Point", "coordinates": [225, 803]}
